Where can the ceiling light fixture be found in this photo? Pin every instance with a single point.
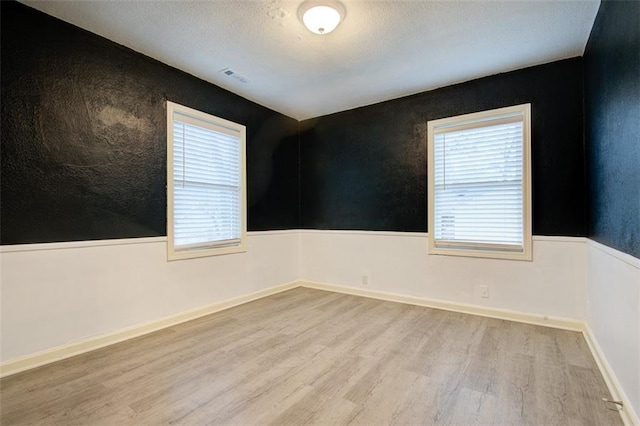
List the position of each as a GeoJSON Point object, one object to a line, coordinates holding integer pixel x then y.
{"type": "Point", "coordinates": [321, 16]}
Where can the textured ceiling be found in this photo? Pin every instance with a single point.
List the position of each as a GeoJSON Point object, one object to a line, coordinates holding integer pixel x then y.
{"type": "Point", "coordinates": [382, 50]}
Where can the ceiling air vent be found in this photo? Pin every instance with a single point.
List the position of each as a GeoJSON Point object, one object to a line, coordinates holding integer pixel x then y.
{"type": "Point", "coordinates": [231, 73]}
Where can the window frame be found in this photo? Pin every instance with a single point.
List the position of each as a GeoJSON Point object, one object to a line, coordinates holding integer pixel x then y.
{"type": "Point", "coordinates": [473, 120]}
{"type": "Point", "coordinates": [213, 122]}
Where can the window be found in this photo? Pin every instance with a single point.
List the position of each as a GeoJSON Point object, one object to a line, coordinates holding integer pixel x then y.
{"type": "Point", "coordinates": [206, 207]}
{"type": "Point", "coordinates": [479, 184]}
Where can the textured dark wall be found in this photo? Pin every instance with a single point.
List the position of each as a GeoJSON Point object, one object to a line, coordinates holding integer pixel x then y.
{"type": "Point", "coordinates": [612, 109]}
{"type": "Point", "coordinates": [83, 152]}
{"type": "Point", "coordinates": [366, 168]}
{"type": "Point", "coordinates": [83, 143]}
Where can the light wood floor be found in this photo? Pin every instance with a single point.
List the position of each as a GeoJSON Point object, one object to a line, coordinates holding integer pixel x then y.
{"type": "Point", "coordinates": [309, 356]}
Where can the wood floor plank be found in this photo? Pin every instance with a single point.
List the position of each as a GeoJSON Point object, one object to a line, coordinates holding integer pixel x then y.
{"type": "Point", "coordinates": [483, 371]}
{"type": "Point", "coordinates": [382, 404]}
{"type": "Point", "coordinates": [584, 379]}
{"type": "Point", "coordinates": [308, 356]}
{"type": "Point", "coordinates": [326, 389]}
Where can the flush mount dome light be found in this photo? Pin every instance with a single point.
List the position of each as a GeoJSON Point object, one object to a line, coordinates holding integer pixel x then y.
{"type": "Point", "coordinates": [321, 16]}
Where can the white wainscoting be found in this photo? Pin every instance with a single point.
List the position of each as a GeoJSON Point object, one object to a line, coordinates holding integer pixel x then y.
{"type": "Point", "coordinates": [613, 317]}
{"type": "Point", "coordinates": [553, 284]}
{"type": "Point", "coordinates": [60, 299]}
{"type": "Point", "coordinates": [56, 294]}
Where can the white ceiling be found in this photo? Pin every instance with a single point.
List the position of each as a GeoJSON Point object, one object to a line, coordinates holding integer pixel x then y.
{"type": "Point", "coordinates": [382, 50]}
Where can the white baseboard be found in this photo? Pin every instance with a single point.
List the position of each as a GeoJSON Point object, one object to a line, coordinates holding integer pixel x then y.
{"type": "Point", "coordinates": [505, 314]}
{"type": "Point", "coordinates": [629, 416]}
{"type": "Point", "coordinates": [58, 353]}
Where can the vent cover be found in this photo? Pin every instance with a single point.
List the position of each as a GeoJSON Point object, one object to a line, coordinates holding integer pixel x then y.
{"type": "Point", "coordinates": [231, 73]}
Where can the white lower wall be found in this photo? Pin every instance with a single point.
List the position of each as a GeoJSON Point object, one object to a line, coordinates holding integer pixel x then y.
{"type": "Point", "coordinates": [54, 294]}
{"type": "Point", "coordinates": [613, 315]}
{"type": "Point", "coordinates": [552, 284]}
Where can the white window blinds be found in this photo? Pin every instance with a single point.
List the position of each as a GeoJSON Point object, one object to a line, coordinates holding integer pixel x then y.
{"type": "Point", "coordinates": [206, 182]}
{"type": "Point", "coordinates": [479, 183]}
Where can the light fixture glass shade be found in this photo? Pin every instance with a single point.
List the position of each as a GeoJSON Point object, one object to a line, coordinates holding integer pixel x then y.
{"type": "Point", "coordinates": [321, 19]}
{"type": "Point", "coordinates": [321, 16]}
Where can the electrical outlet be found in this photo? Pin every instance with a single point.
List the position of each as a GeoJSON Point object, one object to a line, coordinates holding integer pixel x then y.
{"type": "Point", "coordinates": [365, 279]}
{"type": "Point", "coordinates": [484, 291]}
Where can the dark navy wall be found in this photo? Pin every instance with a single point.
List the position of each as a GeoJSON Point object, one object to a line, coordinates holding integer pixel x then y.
{"type": "Point", "coordinates": [366, 168]}
{"type": "Point", "coordinates": [83, 144]}
{"type": "Point", "coordinates": [612, 105]}
{"type": "Point", "coordinates": [83, 152]}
